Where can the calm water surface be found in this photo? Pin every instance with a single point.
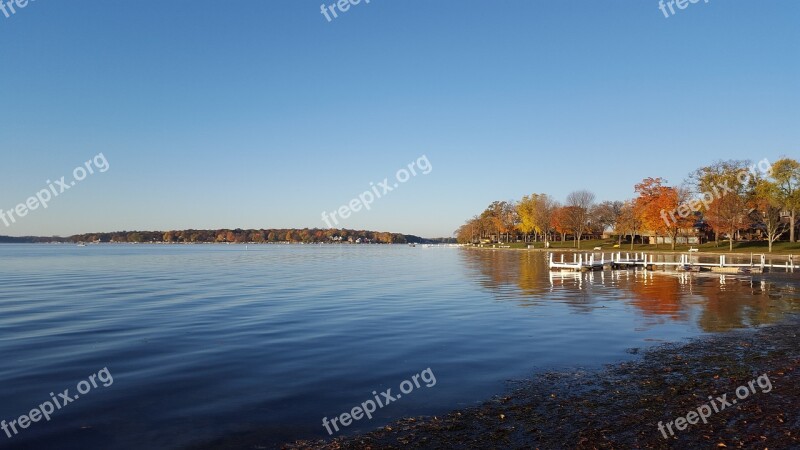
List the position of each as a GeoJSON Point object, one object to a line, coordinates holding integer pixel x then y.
{"type": "Point", "coordinates": [206, 342]}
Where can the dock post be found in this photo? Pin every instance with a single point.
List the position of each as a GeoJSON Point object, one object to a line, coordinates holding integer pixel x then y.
{"type": "Point", "coordinates": [763, 261]}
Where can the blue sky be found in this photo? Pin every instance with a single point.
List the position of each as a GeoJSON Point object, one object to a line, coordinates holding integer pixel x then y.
{"type": "Point", "coordinates": [259, 114]}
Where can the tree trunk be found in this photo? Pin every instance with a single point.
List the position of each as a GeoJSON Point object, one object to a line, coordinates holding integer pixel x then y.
{"type": "Point", "coordinates": [733, 232]}
{"type": "Point", "coordinates": [791, 227]}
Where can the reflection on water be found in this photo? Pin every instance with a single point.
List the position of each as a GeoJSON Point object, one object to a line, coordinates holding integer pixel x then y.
{"type": "Point", "coordinates": [205, 340]}
{"type": "Point", "coordinates": [715, 302]}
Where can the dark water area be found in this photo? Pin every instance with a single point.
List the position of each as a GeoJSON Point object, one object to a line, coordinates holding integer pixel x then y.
{"type": "Point", "coordinates": [209, 342]}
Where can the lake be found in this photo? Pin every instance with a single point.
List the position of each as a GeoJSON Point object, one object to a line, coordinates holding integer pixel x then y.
{"type": "Point", "coordinates": [209, 342]}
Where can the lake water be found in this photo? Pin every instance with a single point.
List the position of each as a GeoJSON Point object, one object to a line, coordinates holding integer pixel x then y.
{"type": "Point", "coordinates": [206, 342]}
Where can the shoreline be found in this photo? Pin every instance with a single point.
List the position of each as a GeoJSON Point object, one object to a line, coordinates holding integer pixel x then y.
{"type": "Point", "coordinates": [620, 406]}
{"type": "Point", "coordinates": [783, 256]}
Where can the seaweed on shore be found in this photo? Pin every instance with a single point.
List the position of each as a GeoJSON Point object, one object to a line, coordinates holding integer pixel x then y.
{"type": "Point", "coordinates": [620, 406]}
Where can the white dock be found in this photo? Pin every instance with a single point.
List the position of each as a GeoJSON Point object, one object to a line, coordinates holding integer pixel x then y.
{"type": "Point", "coordinates": [582, 262]}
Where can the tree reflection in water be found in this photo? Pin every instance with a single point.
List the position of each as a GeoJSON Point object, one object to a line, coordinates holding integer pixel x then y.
{"type": "Point", "coordinates": [714, 302]}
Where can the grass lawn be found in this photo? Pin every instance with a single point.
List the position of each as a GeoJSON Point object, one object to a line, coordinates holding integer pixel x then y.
{"type": "Point", "coordinates": [779, 248]}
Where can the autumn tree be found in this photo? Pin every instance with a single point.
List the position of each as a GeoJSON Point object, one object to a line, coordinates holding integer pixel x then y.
{"type": "Point", "coordinates": [732, 180]}
{"type": "Point", "coordinates": [535, 213]}
{"type": "Point", "coordinates": [470, 232]}
{"type": "Point", "coordinates": [502, 218]}
{"type": "Point", "coordinates": [526, 213]}
{"type": "Point", "coordinates": [729, 214]}
{"type": "Point", "coordinates": [545, 208]}
{"type": "Point", "coordinates": [580, 205]}
{"type": "Point", "coordinates": [663, 209]}
{"type": "Point", "coordinates": [491, 219]}
{"type": "Point", "coordinates": [731, 186]}
{"type": "Point", "coordinates": [560, 221]}
{"type": "Point", "coordinates": [629, 221]}
{"type": "Point", "coordinates": [509, 219]}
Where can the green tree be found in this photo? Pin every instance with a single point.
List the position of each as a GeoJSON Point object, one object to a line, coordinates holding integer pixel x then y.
{"type": "Point", "coordinates": [768, 206]}
{"type": "Point", "coordinates": [786, 176]}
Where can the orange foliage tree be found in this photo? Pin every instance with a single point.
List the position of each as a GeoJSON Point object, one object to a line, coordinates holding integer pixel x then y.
{"type": "Point", "coordinates": [663, 209]}
{"type": "Point", "coordinates": [562, 221]}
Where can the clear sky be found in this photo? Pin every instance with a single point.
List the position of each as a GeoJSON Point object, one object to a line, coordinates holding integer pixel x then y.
{"type": "Point", "coordinates": [261, 113]}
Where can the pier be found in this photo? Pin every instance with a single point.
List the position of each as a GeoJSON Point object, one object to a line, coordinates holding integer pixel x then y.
{"type": "Point", "coordinates": [583, 262]}
{"type": "Point", "coordinates": [580, 263]}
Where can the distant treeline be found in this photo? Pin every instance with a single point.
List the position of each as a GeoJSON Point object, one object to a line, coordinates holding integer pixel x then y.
{"type": "Point", "coordinates": [31, 239]}
{"type": "Point", "coordinates": [261, 236]}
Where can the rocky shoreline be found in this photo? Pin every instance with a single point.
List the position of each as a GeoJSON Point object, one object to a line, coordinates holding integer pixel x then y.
{"type": "Point", "coordinates": [621, 405]}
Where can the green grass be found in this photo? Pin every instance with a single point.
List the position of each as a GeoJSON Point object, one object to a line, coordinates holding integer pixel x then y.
{"type": "Point", "coordinates": [585, 245]}
{"type": "Point", "coordinates": [779, 248]}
